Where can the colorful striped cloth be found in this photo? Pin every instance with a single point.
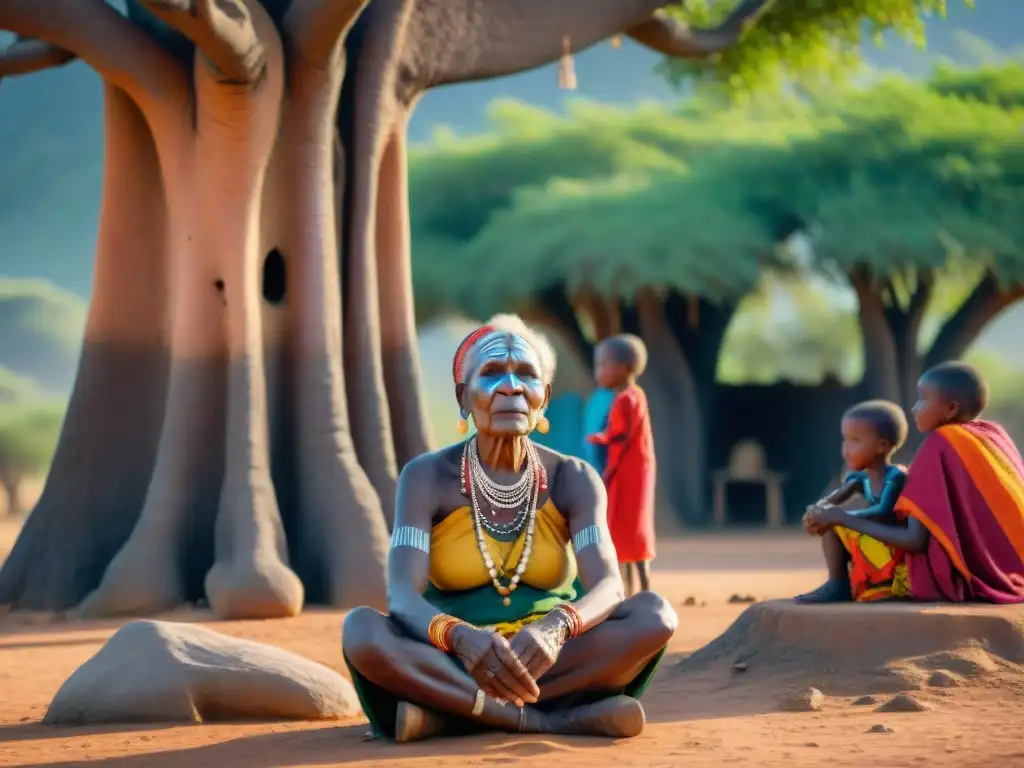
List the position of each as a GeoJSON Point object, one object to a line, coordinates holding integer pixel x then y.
{"type": "Point", "coordinates": [966, 486]}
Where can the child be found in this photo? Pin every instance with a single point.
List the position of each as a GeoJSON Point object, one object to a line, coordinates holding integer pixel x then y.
{"type": "Point", "coordinates": [872, 432]}
{"type": "Point", "coordinates": [630, 471]}
{"type": "Point", "coordinates": [960, 530]}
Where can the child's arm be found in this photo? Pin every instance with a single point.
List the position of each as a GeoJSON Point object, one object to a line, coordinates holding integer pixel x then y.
{"type": "Point", "coordinates": [910, 538]}
{"type": "Point", "coordinates": [618, 424]}
{"type": "Point", "coordinates": [887, 503]}
{"type": "Point", "coordinates": [843, 492]}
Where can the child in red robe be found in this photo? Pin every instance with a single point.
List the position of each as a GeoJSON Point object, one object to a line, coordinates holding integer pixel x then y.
{"type": "Point", "coordinates": [629, 473]}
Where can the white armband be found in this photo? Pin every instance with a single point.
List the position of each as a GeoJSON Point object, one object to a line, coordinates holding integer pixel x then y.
{"type": "Point", "coordinates": [407, 536]}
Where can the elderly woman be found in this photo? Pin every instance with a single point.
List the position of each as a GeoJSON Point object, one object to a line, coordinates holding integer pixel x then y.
{"type": "Point", "coordinates": [506, 608]}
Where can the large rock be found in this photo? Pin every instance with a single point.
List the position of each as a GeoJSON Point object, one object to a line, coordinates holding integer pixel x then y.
{"type": "Point", "coordinates": [170, 672]}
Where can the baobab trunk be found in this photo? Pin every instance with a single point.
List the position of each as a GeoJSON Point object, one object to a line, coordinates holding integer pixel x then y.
{"type": "Point", "coordinates": [409, 422]}
{"type": "Point", "coordinates": [163, 483]}
{"type": "Point", "coordinates": [341, 536]}
{"type": "Point", "coordinates": [100, 472]}
{"type": "Point", "coordinates": [373, 111]}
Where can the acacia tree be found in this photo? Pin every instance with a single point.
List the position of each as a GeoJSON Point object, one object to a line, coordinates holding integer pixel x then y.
{"type": "Point", "coordinates": [655, 211]}
{"type": "Point", "coordinates": [933, 193]}
{"type": "Point", "coordinates": [28, 435]}
{"type": "Point", "coordinates": [590, 257]}
{"type": "Point", "coordinates": [208, 448]}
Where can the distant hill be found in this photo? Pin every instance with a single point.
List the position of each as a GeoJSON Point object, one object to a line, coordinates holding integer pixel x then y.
{"type": "Point", "coordinates": [51, 129]}
{"type": "Point", "coordinates": [40, 338]}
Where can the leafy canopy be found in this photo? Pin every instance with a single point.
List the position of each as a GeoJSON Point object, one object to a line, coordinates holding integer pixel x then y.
{"type": "Point", "coordinates": [797, 41]}
{"type": "Point", "coordinates": [898, 177]}
{"type": "Point", "coordinates": [28, 437]}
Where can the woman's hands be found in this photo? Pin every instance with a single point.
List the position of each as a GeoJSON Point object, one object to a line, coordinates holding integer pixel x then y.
{"type": "Point", "coordinates": [491, 662]}
{"type": "Point", "coordinates": [537, 645]}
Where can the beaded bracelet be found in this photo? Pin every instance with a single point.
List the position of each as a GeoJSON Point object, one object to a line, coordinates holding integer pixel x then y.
{"type": "Point", "coordinates": [440, 631]}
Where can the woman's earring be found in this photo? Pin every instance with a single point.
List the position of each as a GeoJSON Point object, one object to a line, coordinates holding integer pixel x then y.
{"type": "Point", "coordinates": [462, 425]}
{"type": "Point", "coordinates": [543, 425]}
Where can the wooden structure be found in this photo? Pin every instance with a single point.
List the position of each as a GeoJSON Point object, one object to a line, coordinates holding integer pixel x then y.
{"type": "Point", "coordinates": [747, 464]}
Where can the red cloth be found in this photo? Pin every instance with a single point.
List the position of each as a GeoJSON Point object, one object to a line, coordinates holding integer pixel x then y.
{"type": "Point", "coordinates": [630, 475]}
{"type": "Point", "coordinates": [966, 486]}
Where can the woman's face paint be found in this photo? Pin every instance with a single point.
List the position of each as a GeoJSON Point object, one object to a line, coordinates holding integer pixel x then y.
{"type": "Point", "coordinates": [505, 389]}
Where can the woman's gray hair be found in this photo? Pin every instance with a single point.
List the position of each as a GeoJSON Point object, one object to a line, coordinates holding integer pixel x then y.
{"type": "Point", "coordinates": [510, 323]}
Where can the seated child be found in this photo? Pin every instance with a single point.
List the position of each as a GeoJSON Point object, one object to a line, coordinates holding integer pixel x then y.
{"type": "Point", "coordinates": [858, 566]}
{"type": "Point", "coordinates": [960, 530]}
{"type": "Point", "coordinates": [629, 473]}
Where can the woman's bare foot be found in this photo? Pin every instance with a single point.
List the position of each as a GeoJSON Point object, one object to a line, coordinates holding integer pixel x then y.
{"type": "Point", "coordinates": [832, 591]}
{"type": "Point", "coordinates": [414, 723]}
{"type": "Point", "coordinates": [617, 717]}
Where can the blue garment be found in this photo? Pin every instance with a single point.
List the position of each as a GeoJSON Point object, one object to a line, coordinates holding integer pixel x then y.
{"type": "Point", "coordinates": [566, 416]}
{"type": "Point", "coordinates": [595, 419]}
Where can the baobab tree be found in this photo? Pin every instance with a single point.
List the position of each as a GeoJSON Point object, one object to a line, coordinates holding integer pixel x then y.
{"type": "Point", "coordinates": [220, 443]}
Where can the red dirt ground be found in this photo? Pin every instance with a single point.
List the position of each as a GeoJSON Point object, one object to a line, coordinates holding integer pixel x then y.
{"type": "Point", "coordinates": [694, 719]}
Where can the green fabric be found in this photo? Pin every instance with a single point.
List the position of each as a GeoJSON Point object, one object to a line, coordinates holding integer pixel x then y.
{"type": "Point", "coordinates": [481, 607]}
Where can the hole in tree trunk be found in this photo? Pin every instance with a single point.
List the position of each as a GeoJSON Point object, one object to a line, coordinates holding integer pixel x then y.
{"type": "Point", "coordinates": [275, 279]}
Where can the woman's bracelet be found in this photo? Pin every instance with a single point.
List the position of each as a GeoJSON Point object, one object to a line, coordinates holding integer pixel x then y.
{"type": "Point", "coordinates": [440, 631]}
{"type": "Point", "coordinates": [573, 621]}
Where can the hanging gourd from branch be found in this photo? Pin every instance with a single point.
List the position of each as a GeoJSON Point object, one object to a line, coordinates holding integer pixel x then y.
{"type": "Point", "coordinates": [566, 68]}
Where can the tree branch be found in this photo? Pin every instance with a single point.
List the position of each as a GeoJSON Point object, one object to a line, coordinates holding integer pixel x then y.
{"type": "Point", "coordinates": [223, 32]}
{"type": "Point", "coordinates": [26, 55]}
{"type": "Point", "coordinates": [672, 37]}
{"type": "Point", "coordinates": [319, 27]}
{"type": "Point", "coordinates": [958, 332]}
{"type": "Point", "coordinates": [458, 41]}
{"type": "Point", "coordinates": [121, 53]}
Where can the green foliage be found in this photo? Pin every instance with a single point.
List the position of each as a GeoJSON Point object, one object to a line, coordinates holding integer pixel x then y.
{"type": "Point", "coordinates": [902, 176]}
{"type": "Point", "coordinates": [797, 41]}
{"type": "Point", "coordinates": [1000, 85]}
{"type": "Point", "coordinates": [16, 389]}
{"type": "Point", "coordinates": [42, 332]}
{"type": "Point", "coordinates": [899, 177]}
{"type": "Point", "coordinates": [28, 438]}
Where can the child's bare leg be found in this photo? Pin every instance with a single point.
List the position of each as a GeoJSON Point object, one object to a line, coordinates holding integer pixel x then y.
{"type": "Point", "coordinates": [626, 569]}
{"type": "Point", "coordinates": [837, 588]}
{"type": "Point", "coordinates": [643, 568]}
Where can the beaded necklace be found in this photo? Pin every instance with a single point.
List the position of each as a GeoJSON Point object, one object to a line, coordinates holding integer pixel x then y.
{"type": "Point", "coordinates": [536, 482]}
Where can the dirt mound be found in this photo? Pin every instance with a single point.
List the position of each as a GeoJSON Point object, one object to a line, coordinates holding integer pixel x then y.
{"type": "Point", "coordinates": [857, 649]}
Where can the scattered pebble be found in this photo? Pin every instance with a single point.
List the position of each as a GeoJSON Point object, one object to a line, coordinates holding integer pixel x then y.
{"type": "Point", "coordinates": [812, 744]}
{"type": "Point", "coordinates": [942, 679]}
{"type": "Point", "coordinates": [879, 728]}
{"type": "Point", "coordinates": [743, 599]}
{"type": "Point", "coordinates": [808, 700]}
{"type": "Point", "coordinates": [902, 702]}
{"type": "Point", "coordinates": [690, 601]}
{"type": "Point", "coordinates": [740, 666]}
{"type": "Point", "coordinates": [865, 701]}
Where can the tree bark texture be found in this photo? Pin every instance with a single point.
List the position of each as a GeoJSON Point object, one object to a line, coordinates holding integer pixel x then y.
{"type": "Point", "coordinates": [164, 488]}
{"type": "Point", "coordinates": [223, 442]}
{"type": "Point", "coordinates": [891, 325]}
